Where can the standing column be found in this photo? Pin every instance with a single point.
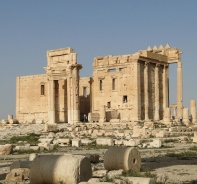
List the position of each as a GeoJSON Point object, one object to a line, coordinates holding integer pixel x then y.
{"type": "Point", "coordinates": [51, 95]}
{"type": "Point", "coordinates": [185, 116]}
{"type": "Point", "coordinates": [102, 113]}
{"type": "Point", "coordinates": [69, 96]}
{"type": "Point", "coordinates": [136, 97]}
{"type": "Point", "coordinates": [175, 111]}
{"type": "Point", "coordinates": [75, 95]}
{"type": "Point", "coordinates": [146, 100]}
{"type": "Point", "coordinates": [156, 92]}
{"type": "Point", "coordinates": [165, 86]}
{"type": "Point", "coordinates": [193, 110]}
{"type": "Point", "coordinates": [179, 90]}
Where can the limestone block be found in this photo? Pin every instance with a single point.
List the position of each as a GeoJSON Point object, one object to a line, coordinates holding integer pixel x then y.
{"type": "Point", "coordinates": [93, 180]}
{"type": "Point", "coordinates": [156, 143]}
{"type": "Point", "coordinates": [13, 121]}
{"type": "Point", "coordinates": [140, 132]}
{"type": "Point", "coordinates": [137, 180]}
{"type": "Point", "coordinates": [118, 142]}
{"type": "Point", "coordinates": [105, 141]}
{"type": "Point", "coordinates": [121, 135]}
{"type": "Point", "coordinates": [195, 134]}
{"type": "Point", "coordinates": [35, 148]}
{"type": "Point", "coordinates": [114, 174]}
{"type": "Point", "coordinates": [51, 135]}
{"type": "Point", "coordinates": [3, 121]}
{"type": "Point", "coordinates": [6, 149]}
{"type": "Point", "coordinates": [99, 173]}
{"type": "Point", "coordinates": [23, 147]}
{"type": "Point", "coordinates": [162, 134]}
{"type": "Point", "coordinates": [130, 143]}
{"type": "Point", "coordinates": [69, 169]}
{"type": "Point", "coordinates": [76, 142]}
{"type": "Point", "coordinates": [173, 129]}
{"type": "Point", "coordinates": [109, 133]}
{"type": "Point", "coordinates": [50, 127]}
{"type": "Point", "coordinates": [86, 141]}
{"type": "Point", "coordinates": [195, 139]}
{"type": "Point", "coordinates": [114, 120]}
{"type": "Point", "coordinates": [46, 140]}
{"type": "Point", "coordinates": [62, 141]}
{"type": "Point", "coordinates": [126, 158]}
{"type": "Point", "coordinates": [46, 146]}
{"type": "Point", "coordinates": [17, 175]}
{"type": "Point", "coordinates": [20, 164]}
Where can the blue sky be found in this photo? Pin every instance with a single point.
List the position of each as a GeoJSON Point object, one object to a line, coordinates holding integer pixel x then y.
{"type": "Point", "coordinates": [93, 28]}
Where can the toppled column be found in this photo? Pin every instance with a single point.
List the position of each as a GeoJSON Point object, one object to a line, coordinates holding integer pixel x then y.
{"type": "Point", "coordinates": [69, 169]}
{"type": "Point", "coordinates": [126, 158]}
{"type": "Point", "coordinates": [102, 114]}
{"type": "Point", "coordinates": [193, 110]}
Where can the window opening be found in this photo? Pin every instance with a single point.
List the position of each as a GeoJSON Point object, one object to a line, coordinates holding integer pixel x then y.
{"type": "Point", "coordinates": [42, 89]}
{"type": "Point", "coordinates": [125, 99]}
{"type": "Point", "coordinates": [112, 70]}
{"type": "Point", "coordinates": [113, 84]}
{"type": "Point", "coordinates": [85, 92]}
{"type": "Point", "coordinates": [101, 85]}
{"type": "Point", "coordinates": [109, 104]}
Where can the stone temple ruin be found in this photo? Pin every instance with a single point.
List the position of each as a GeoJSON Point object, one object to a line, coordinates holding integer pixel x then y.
{"type": "Point", "coordinates": [126, 88]}
{"type": "Point", "coordinates": [126, 105]}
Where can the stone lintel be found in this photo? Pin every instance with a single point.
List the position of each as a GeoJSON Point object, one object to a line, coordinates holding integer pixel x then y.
{"type": "Point", "coordinates": [62, 51]}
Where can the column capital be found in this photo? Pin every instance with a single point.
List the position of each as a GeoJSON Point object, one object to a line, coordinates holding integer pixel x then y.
{"type": "Point", "coordinates": [166, 65]}
{"type": "Point", "coordinates": [146, 63]}
{"type": "Point", "coordinates": [157, 65]}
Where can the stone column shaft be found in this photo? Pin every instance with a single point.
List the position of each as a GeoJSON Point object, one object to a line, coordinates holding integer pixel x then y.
{"type": "Point", "coordinates": [185, 115]}
{"type": "Point", "coordinates": [102, 113]}
{"type": "Point", "coordinates": [156, 92]}
{"type": "Point", "coordinates": [165, 86]}
{"type": "Point", "coordinates": [146, 100]}
{"type": "Point", "coordinates": [179, 90]}
{"type": "Point", "coordinates": [136, 97]}
{"type": "Point", "coordinates": [69, 98]}
{"type": "Point", "coordinates": [51, 101]}
{"type": "Point", "coordinates": [193, 110]}
{"type": "Point", "coordinates": [75, 95]}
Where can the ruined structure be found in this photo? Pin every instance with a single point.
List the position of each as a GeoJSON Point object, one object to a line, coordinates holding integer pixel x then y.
{"type": "Point", "coordinates": [130, 87]}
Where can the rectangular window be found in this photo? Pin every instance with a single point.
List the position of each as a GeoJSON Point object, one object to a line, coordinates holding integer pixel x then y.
{"type": "Point", "coordinates": [125, 99]}
{"type": "Point", "coordinates": [112, 70]}
{"type": "Point", "coordinates": [113, 84]}
{"type": "Point", "coordinates": [85, 92]}
{"type": "Point", "coordinates": [109, 104]}
{"type": "Point", "coordinates": [42, 90]}
{"type": "Point", "coordinates": [101, 85]}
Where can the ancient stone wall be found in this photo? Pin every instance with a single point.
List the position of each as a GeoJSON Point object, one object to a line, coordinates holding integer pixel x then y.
{"type": "Point", "coordinates": [32, 98]}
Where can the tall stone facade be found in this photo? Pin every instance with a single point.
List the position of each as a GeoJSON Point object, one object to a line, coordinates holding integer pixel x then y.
{"type": "Point", "coordinates": [129, 88]}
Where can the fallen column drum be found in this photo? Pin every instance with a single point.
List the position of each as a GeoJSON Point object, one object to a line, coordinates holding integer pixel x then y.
{"type": "Point", "coordinates": [66, 169]}
{"type": "Point", "coordinates": [126, 158]}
